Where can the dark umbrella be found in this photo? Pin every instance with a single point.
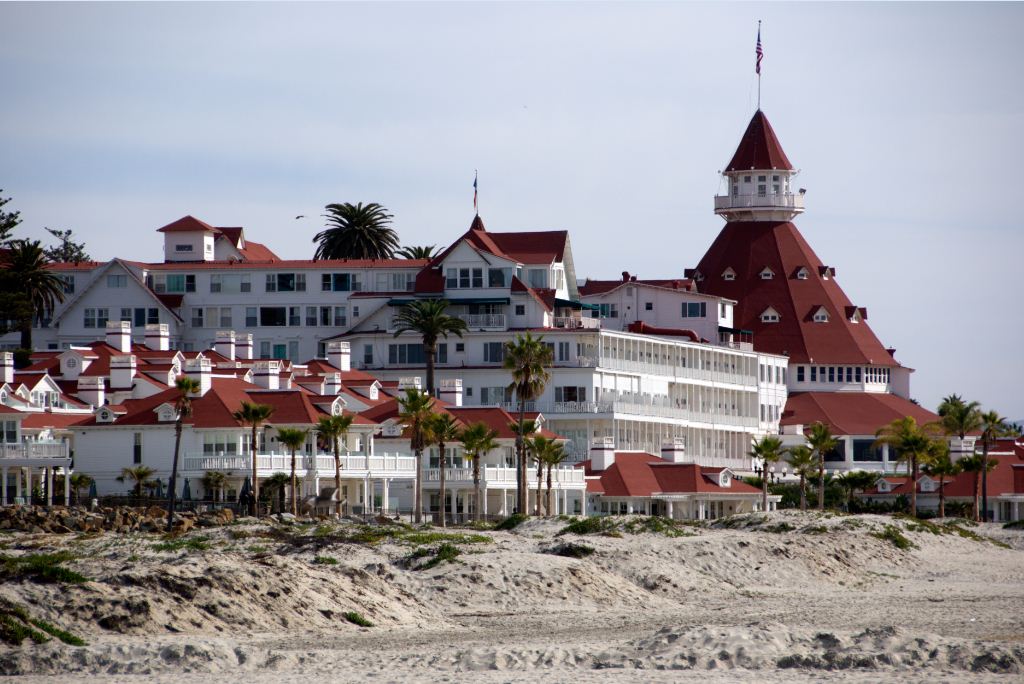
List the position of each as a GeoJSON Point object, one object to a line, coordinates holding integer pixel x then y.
{"type": "Point", "coordinates": [245, 494]}
{"type": "Point", "coordinates": [159, 488]}
{"type": "Point", "coordinates": [186, 491]}
{"type": "Point", "coordinates": [92, 490]}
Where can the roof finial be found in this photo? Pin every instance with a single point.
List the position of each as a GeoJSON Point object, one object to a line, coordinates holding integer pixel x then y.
{"type": "Point", "coordinates": [757, 65]}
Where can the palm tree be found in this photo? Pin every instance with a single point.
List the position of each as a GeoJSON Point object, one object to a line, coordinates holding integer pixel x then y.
{"type": "Point", "coordinates": [186, 387]}
{"type": "Point", "coordinates": [821, 442]}
{"type": "Point", "coordinates": [914, 444]}
{"type": "Point", "coordinates": [856, 480]}
{"type": "Point", "coordinates": [993, 426]}
{"type": "Point", "coordinates": [958, 417]}
{"type": "Point", "coordinates": [803, 462]}
{"type": "Point", "coordinates": [444, 429]}
{"type": "Point", "coordinates": [334, 429]}
{"type": "Point", "coordinates": [941, 468]}
{"type": "Point", "coordinates": [477, 441]}
{"type": "Point", "coordinates": [293, 439]}
{"type": "Point", "coordinates": [415, 415]}
{"type": "Point", "coordinates": [214, 482]}
{"type": "Point", "coordinates": [538, 448]}
{"type": "Point", "coordinates": [356, 231]}
{"type": "Point", "coordinates": [554, 455]}
{"type": "Point", "coordinates": [769, 450]}
{"type": "Point", "coordinates": [425, 252]}
{"type": "Point", "coordinates": [40, 288]}
{"type": "Point", "coordinates": [427, 318]}
{"type": "Point", "coordinates": [80, 481]}
{"type": "Point", "coordinates": [140, 475]}
{"type": "Point", "coordinates": [527, 357]}
{"type": "Point", "coordinates": [254, 415]}
{"type": "Point", "coordinates": [973, 464]}
{"type": "Point", "coordinates": [276, 484]}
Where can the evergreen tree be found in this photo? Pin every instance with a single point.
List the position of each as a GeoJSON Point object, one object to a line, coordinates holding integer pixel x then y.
{"type": "Point", "coordinates": [66, 251]}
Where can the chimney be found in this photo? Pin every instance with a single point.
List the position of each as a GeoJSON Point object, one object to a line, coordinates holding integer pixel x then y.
{"type": "Point", "coordinates": [122, 371]}
{"type": "Point", "coordinates": [6, 367]}
{"type": "Point", "coordinates": [199, 369]}
{"type": "Point", "coordinates": [332, 383]}
{"type": "Point", "coordinates": [339, 355]}
{"type": "Point", "coordinates": [157, 337]}
{"type": "Point", "coordinates": [674, 451]}
{"type": "Point", "coordinates": [243, 346]}
{"type": "Point", "coordinates": [224, 343]}
{"type": "Point", "coordinates": [91, 390]}
{"type": "Point", "coordinates": [602, 453]}
{"type": "Point", "coordinates": [409, 383]}
{"type": "Point", "coordinates": [119, 335]}
{"type": "Point", "coordinates": [266, 374]}
{"type": "Point", "coordinates": [451, 391]}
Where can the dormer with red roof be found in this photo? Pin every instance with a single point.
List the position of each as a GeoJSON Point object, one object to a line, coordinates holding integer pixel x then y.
{"type": "Point", "coordinates": [189, 239]}
{"type": "Point", "coordinates": [759, 178]}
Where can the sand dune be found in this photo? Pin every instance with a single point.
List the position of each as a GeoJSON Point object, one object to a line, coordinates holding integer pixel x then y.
{"type": "Point", "coordinates": [784, 597]}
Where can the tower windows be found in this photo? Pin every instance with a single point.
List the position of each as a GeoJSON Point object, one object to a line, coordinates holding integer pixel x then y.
{"type": "Point", "coordinates": [746, 179]}
{"type": "Point", "coordinates": [762, 179]}
{"type": "Point", "coordinates": [767, 273]}
{"type": "Point", "coordinates": [821, 315]}
{"type": "Point", "coordinates": [799, 373]}
{"type": "Point", "coordinates": [762, 190]}
{"type": "Point", "coordinates": [770, 315]}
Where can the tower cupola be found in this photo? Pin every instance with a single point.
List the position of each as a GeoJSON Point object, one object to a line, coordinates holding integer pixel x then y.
{"type": "Point", "coordinates": [759, 178]}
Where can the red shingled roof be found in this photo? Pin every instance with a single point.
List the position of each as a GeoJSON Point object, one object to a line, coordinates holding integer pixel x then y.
{"type": "Point", "coordinates": [759, 148]}
{"type": "Point", "coordinates": [747, 247]}
{"type": "Point", "coordinates": [187, 224]}
{"type": "Point", "coordinates": [641, 474]}
{"type": "Point", "coordinates": [851, 413]}
{"type": "Point", "coordinates": [1007, 477]}
{"type": "Point", "coordinates": [596, 287]}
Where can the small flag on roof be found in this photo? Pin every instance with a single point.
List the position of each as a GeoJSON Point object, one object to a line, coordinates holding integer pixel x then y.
{"type": "Point", "coordinates": [758, 51]}
{"type": "Point", "coordinates": [475, 207]}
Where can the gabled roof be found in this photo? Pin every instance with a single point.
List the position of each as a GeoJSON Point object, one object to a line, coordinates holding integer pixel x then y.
{"type": "Point", "coordinates": [1004, 478]}
{"type": "Point", "coordinates": [851, 413]}
{"type": "Point", "coordinates": [187, 224]}
{"type": "Point", "coordinates": [636, 473]}
{"type": "Point", "coordinates": [748, 247]}
{"type": "Point", "coordinates": [597, 287]}
{"type": "Point", "coordinates": [759, 148]}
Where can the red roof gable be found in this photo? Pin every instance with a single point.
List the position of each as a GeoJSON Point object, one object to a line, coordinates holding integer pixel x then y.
{"type": "Point", "coordinates": [641, 474]}
{"type": "Point", "coordinates": [746, 248]}
{"type": "Point", "coordinates": [759, 148]}
{"type": "Point", "coordinates": [851, 413]}
{"type": "Point", "coordinates": [187, 224]}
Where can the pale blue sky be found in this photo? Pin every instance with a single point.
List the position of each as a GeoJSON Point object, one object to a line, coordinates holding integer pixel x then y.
{"type": "Point", "coordinates": [609, 120]}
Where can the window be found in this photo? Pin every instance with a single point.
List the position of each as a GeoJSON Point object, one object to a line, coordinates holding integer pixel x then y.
{"type": "Point", "coordinates": [264, 349]}
{"type": "Point", "coordinates": [563, 351]}
{"type": "Point", "coordinates": [729, 274]}
{"type": "Point", "coordinates": [537, 277]}
{"type": "Point", "coordinates": [494, 352]}
{"type": "Point", "coordinates": [648, 306]}
{"type": "Point", "coordinates": [801, 274]}
{"type": "Point", "coordinates": [345, 282]}
{"type": "Point", "coordinates": [367, 354]}
{"type": "Point", "coordinates": [724, 310]}
{"type": "Point", "coordinates": [140, 316]}
{"type": "Point", "coordinates": [96, 318]}
{"type": "Point", "coordinates": [182, 248]}
{"type": "Point", "coordinates": [174, 283]}
{"type": "Point", "coordinates": [460, 346]}
{"type": "Point", "coordinates": [286, 282]}
{"type": "Point", "coordinates": [694, 310]}
{"type": "Point", "coordinates": [230, 283]}
{"type": "Point", "coordinates": [273, 316]}
{"type": "Point", "coordinates": [770, 316]}
{"type": "Point", "coordinates": [463, 278]}
{"type": "Point", "coordinates": [333, 315]}
{"type": "Point", "coordinates": [250, 317]}
{"type": "Point", "coordinates": [814, 374]}
{"type": "Point", "coordinates": [520, 309]}
{"type": "Point", "coordinates": [799, 373]}
{"type": "Point", "coordinates": [311, 317]}
{"type": "Point", "coordinates": [570, 394]}
{"type": "Point", "coordinates": [211, 316]}
{"type": "Point", "coordinates": [767, 274]}
{"type": "Point", "coordinates": [137, 448]}
{"type": "Point", "coordinates": [762, 179]}
{"type": "Point", "coordinates": [608, 310]}
{"type": "Point", "coordinates": [220, 443]}
{"type": "Point", "coordinates": [746, 179]}
{"type": "Point", "coordinates": [69, 283]}
{"type": "Point", "coordinates": [294, 315]}
{"type": "Point", "coordinates": [441, 355]}
{"type": "Point", "coordinates": [821, 316]}
{"type": "Point", "coordinates": [197, 317]}
{"type": "Point", "coordinates": [117, 281]}
{"type": "Point", "coordinates": [494, 395]}
{"type": "Point", "coordinates": [831, 373]}
{"type": "Point", "coordinates": [858, 374]}
{"type": "Point", "coordinates": [406, 353]}
{"type": "Point", "coordinates": [499, 277]}
{"type": "Point", "coordinates": [762, 190]}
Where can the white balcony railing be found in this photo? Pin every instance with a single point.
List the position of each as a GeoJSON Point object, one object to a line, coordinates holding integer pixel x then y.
{"type": "Point", "coordinates": [483, 320]}
{"type": "Point", "coordinates": [503, 475]}
{"type": "Point", "coordinates": [34, 450]}
{"type": "Point", "coordinates": [631, 408]}
{"type": "Point", "coordinates": [781, 200]}
{"type": "Point", "coordinates": [322, 463]}
{"type": "Point", "coordinates": [573, 323]}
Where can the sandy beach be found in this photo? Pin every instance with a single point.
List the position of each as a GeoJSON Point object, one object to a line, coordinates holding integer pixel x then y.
{"type": "Point", "coordinates": [783, 597]}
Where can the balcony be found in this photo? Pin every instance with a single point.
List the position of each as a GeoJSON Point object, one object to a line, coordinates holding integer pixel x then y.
{"type": "Point", "coordinates": [632, 408]}
{"type": "Point", "coordinates": [40, 453]}
{"type": "Point", "coordinates": [782, 200]}
{"type": "Point", "coordinates": [321, 465]}
{"type": "Point", "coordinates": [503, 477]}
{"type": "Point", "coordinates": [483, 321]}
{"type": "Point", "coordinates": [574, 323]}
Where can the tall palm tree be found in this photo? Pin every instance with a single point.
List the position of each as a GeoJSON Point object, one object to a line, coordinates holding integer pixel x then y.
{"type": "Point", "coordinates": [427, 318]}
{"type": "Point", "coordinates": [444, 429]}
{"type": "Point", "coordinates": [527, 357]}
{"type": "Point", "coordinates": [769, 450]}
{"type": "Point", "coordinates": [80, 481]}
{"type": "Point", "coordinates": [293, 439]}
{"type": "Point", "coordinates": [254, 415]}
{"type": "Point", "coordinates": [856, 480]}
{"type": "Point", "coordinates": [821, 442]}
{"type": "Point", "coordinates": [914, 444]}
{"type": "Point", "coordinates": [214, 482]}
{"type": "Point", "coordinates": [973, 464]}
{"type": "Point", "coordinates": [538, 447]}
{"type": "Point", "coordinates": [993, 426]}
{"type": "Point", "coordinates": [477, 441]}
{"type": "Point", "coordinates": [27, 273]}
{"type": "Point", "coordinates": [140, 475]}
{"type": "Point", "coordinates": [413, 252]}
{"type": "Point", "coordinates": [959, 417]}
{"type": "Point", "coordinates": [804, 464]}
{"type": "Point", "coordinates": [186, 387]}
{"type": "Point", "coordinates": [415, 412]}
{"type": "Point", "coordinates": [275, 486]}
{"type": "Point", "coordinates": [942, 468]}
{"type": "Point", "coordinates": [553, 456]}
{"type": "Point", "coordinates": [356, 231]}
{"type": "Point", "coordinates": [334, 429]}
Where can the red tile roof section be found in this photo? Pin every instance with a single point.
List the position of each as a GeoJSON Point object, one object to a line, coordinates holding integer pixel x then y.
{"type": "Point", "coordinates": [641, 474]}
{"type": "Point", "coordinates": [851, 413]}
{"type": "Point", "coordinates": [759, 148]}
{"type": "Point", "coordinates": [747, 247]}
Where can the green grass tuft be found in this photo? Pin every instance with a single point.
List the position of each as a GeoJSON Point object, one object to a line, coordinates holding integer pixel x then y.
{"type": "Point", "coordinates": [325, 560]}
{"type": "Point", "coordinates": [891, 533]}
{"type": "Point", "coordinates": [357, 619]}
{"type": "Point", "coordinates": [511, 522]}
{"type": "Point", "coordinates": [1014, 525]}
{"type": "Point", "coordinates": [66, 637]}
{"type": "Point", "coordinates": [41, 567]}
{"type": "Point", "coordinates": [184, 544]}
{"type": "Point", "coordinates": [572, 550]}
{"type": "Point", "coordinates": [445, 553]}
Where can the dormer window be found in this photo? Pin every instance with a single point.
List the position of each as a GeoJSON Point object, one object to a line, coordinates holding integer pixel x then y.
{"type": "Point", "coordinates": [729, 274]}
{"type": "Point", "coordinates": [71, 363]}
{"type": "Point", "coordinates": [821, 315]}
{"type": "Point", "coordinates": [802, 274]}
{"type": "Point", "coordinates": [698, 276]}
{"type": "Point", "coordinates": [770, 315]}
{"type": "Point", "coordinates": [767, 273]}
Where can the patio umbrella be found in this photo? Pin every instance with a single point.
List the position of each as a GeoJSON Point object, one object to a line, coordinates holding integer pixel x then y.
{"type": "Point", "coordinates": [159, 488]}
{"type": "Point", "coordinates": [92, 490]}
{"type": "Point", "coordinates": [246, 488]}
{"type": "Point", "coordinates": [186, 492]}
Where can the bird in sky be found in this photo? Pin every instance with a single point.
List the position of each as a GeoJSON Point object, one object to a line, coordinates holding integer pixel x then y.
{"type": "Point", "coordinates": [300, 216]}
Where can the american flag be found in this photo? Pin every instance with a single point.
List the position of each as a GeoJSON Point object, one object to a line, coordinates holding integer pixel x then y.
{"type": "Point", "coordinates": [759, 52]}
{"type": "Point", "coordinates": [475, 207]}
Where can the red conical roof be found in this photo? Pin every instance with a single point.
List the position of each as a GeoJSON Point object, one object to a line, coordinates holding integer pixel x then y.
{"type": "Point", "coordinates": [748, 248]}
{"type": "Point", "coordinates": [759, 148]}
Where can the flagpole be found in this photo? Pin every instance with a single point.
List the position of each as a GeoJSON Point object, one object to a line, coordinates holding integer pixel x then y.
{"type": "Point", "coordinates": [759, 66]}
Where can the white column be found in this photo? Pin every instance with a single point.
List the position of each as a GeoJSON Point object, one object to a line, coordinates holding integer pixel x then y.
{"type": "Point", "coordinates": [504, 502]}
{"type": "Point", "coordinates": [455, 497]}
{"type": "Point", "coordinates": [49, 486]}
{"type": "Point", "coordinates": [18, 472]}
{"type": "Point", "coordinates": [67, 486]}
{"type": "Point", "coordinates": [3, 486]}
{"type": "Point", "coordinates": [629, 507]}
{"type": "Point", "coordinates": [367, 494]}
{"type": "Point", "coordinates": [384, 493]}
{"type": "Point", "coordinates": [669, 509]}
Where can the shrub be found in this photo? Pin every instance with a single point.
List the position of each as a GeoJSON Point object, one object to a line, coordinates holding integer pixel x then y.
{"type": "Point", "coordinates": [571, 550]}
{"type": "Point", "coordinates": [445, 553]}
{"type": "Point", "coordinates": [590, 525]}
{"type": "Point", "coordinates": [357, 619]}
{"type": "Point", "coordinates": [1014, 525]}
{"type": "Point", "coordinates": [42, 567]}
{"type": "Point", "coordinates": [325, 560]}
{"type": "Point", "coordinates": [184, 544]}
{"type": "Point", "coordinates": [511, 522]}
{"type": "Point", "coordinates": [891, 533]}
